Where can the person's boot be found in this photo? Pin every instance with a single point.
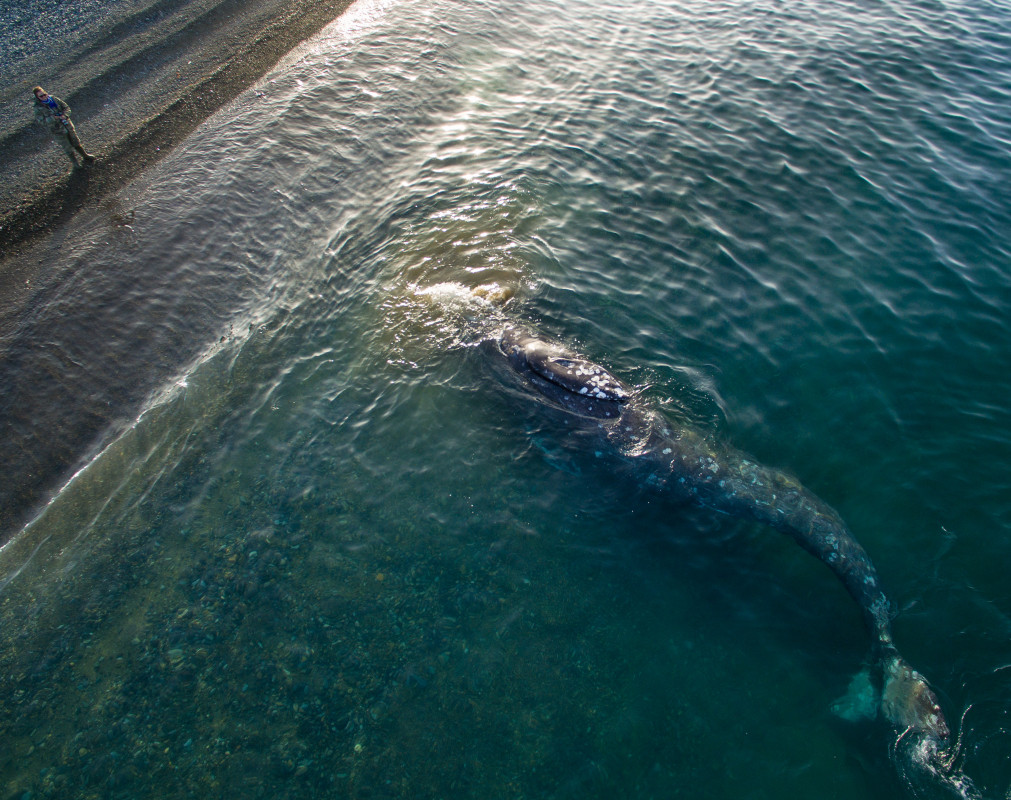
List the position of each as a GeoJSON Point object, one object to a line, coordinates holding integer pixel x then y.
{"type": "Point", "coordinates": [88, 157]}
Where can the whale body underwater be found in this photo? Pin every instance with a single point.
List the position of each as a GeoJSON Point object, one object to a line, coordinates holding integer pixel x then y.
{"type": "Point", "coordinates": [689, 465]}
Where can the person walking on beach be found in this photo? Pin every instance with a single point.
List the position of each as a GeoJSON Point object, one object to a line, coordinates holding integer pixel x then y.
{"type": "Point", "coordinates": [54, 114]}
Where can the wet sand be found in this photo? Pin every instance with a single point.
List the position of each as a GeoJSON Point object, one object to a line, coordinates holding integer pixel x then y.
{"type": "Point", "coordinates": [137, 85]}
{"type": "Point", "coordinates": [179, 61]}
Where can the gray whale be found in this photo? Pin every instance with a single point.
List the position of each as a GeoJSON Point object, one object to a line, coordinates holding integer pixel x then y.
{"type": "Point", "coordinates": [691, 466]}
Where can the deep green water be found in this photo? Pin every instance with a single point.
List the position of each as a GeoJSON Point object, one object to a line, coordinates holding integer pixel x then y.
{"type": "Point", "coordinates": [316, 545]}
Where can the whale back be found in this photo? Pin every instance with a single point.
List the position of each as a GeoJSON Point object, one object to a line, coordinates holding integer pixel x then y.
{"type": "Point", "coordinates": [579, 385]}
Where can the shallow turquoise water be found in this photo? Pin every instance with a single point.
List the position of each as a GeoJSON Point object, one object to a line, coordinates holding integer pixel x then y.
{"type": "Point", "coordinates": [318, 545]}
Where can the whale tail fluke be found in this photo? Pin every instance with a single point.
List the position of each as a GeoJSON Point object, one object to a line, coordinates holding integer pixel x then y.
{"type": "Point", "coordinates": [908, 702]}
{"type": "Point", "coordinates": [923, 753]}
{"type": "Point", "coordinates": [861, 701]}
{"type": "Point", "coordinates": [901, 695]}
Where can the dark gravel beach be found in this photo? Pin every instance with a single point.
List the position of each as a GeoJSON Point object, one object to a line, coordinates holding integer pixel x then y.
{"type": "Point", "coordinates": [139, 75]}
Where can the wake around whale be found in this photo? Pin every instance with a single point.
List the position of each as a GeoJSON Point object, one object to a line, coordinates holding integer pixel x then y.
{"type": "Point", "coordinates": [691, 466]}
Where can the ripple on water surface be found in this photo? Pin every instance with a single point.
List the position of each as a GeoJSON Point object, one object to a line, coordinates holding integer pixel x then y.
{"type": "Point", "coordinates": [322, 546]}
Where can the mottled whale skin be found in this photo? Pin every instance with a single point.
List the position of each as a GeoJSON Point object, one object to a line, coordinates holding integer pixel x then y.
{"type": "Point", "coordinates": [692, 466]}
{"type": "Point", "coordinates": [578, 385]}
